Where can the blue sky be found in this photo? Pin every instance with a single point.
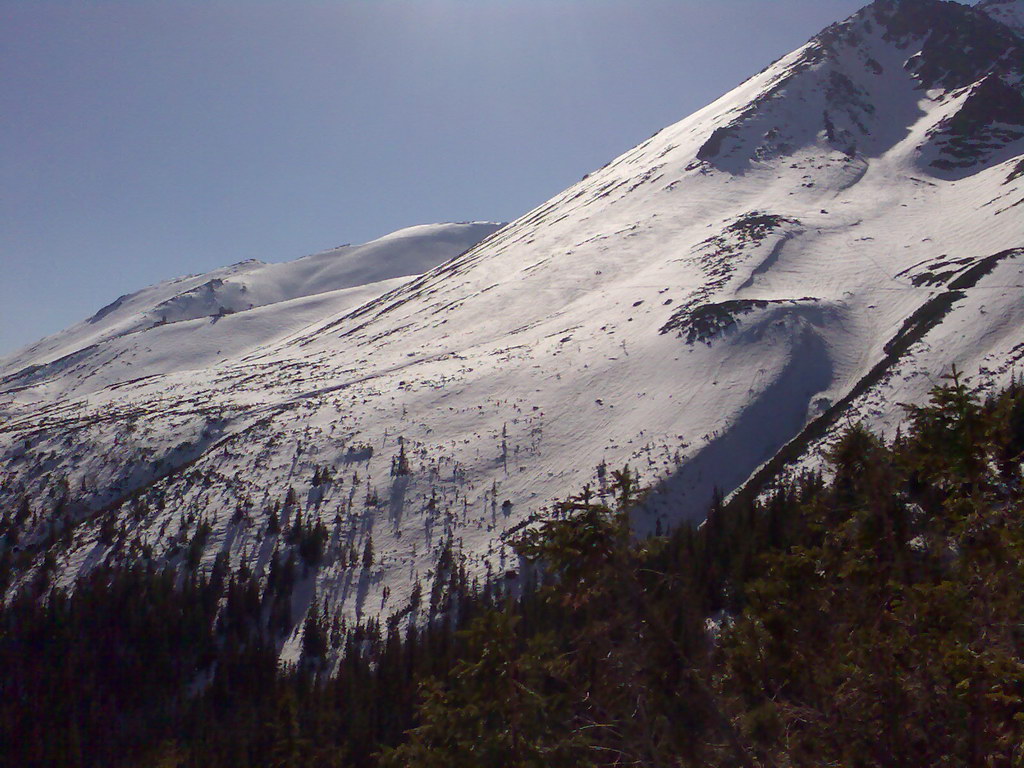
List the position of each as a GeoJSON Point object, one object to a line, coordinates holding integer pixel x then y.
{"type": "Point", "coordinates": [141, 140]}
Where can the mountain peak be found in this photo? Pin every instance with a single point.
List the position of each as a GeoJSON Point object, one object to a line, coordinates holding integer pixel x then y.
{"type": "Point", "coordinates": [851, 77]}
{"type": "Point", "coordinates": [955, 44]}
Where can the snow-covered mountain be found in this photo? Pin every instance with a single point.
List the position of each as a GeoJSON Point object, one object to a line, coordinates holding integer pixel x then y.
{"type": "Point", "coordinates": [819, 242]}
{"type": "Point", "coordinates": [195, 321]}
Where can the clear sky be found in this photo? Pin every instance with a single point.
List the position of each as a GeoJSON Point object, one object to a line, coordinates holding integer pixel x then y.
{"type": "Point", "coordinates": [145, 139]}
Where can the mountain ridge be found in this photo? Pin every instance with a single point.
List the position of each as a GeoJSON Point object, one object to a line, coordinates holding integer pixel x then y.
{"type": "Point", "coordinates": [350, 274]}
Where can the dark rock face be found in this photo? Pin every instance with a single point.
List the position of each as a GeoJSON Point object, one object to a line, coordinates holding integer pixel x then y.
{"type": "Point", "coordinates": [712, 148]}
{"type": "Point", "coordinates": [707, 322]}
{"type": "Point", "coordinates": [1017, 172]}
{"type": "Point", "coordinates": [990, 118]}
{"type": "Point", "coordinates": [960, 44]}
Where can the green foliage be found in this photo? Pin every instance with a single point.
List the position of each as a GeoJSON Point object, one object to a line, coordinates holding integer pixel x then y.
{"type": "Point", "coordinates": [90, 677]}
{"type": "Point", "coordinates": [504, 708]}
{"type": "Point", "coordinates": [589, 670]}
{"type": "Point", "coordinates": [314, 634]}
{"type": "Point", "coordinates": [893, 637]}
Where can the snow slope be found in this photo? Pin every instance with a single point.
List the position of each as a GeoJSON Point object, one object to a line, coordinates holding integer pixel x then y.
{"type": "Point", "coordinates": [816, 242]}
{"type": "Point", "coordinates": [196, 321]}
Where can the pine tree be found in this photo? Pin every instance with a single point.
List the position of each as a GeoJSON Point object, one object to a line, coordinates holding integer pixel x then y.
{"type": "Point", "coordinates": [368, 552]}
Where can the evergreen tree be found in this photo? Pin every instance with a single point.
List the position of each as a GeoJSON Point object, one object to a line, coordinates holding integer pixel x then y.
{"type": "Point", "coordinates": [368, 552]}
